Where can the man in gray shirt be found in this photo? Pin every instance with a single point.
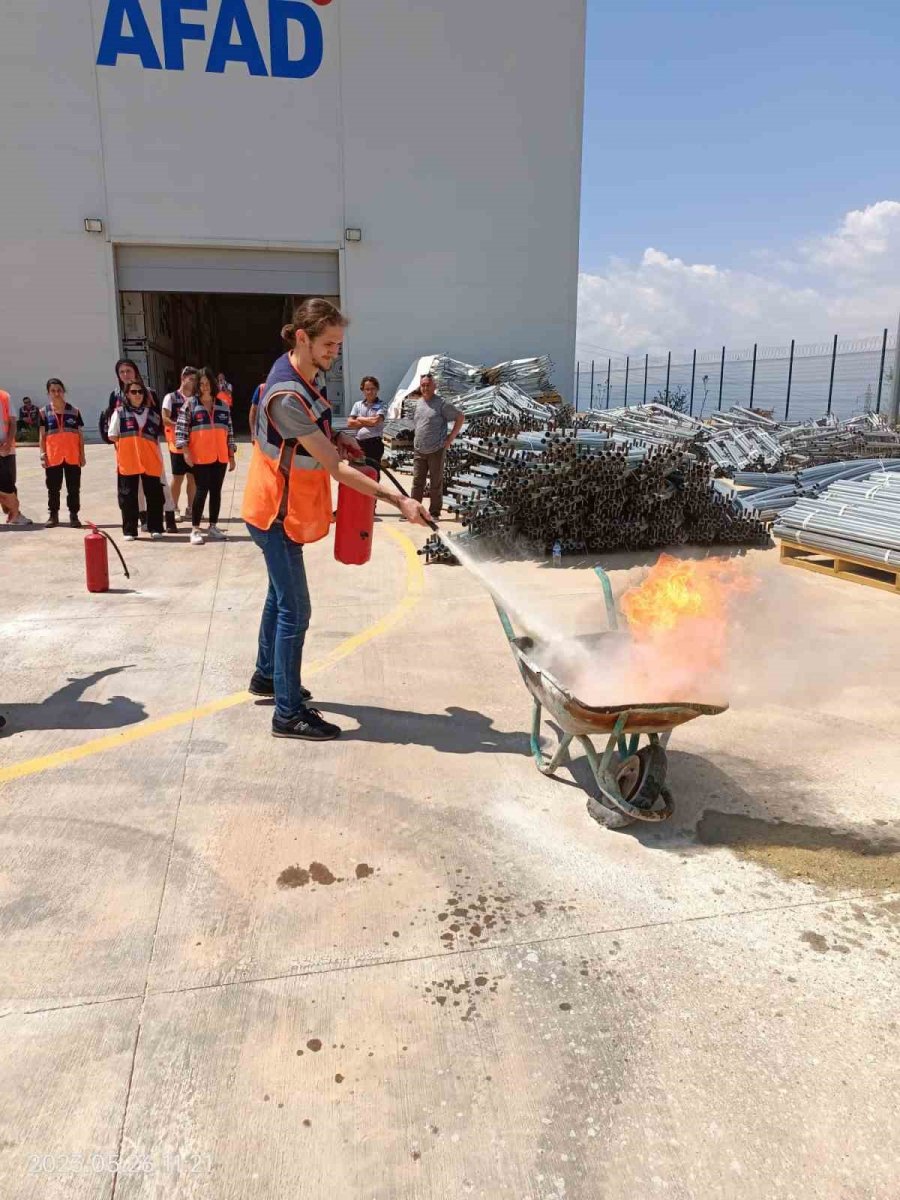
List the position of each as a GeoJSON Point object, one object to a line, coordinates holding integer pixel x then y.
{"type": "Point", "coordinates": [432, 442]}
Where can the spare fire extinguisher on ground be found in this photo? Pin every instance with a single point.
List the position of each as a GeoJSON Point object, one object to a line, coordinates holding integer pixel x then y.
{"type": "Point", "coordinates": [96, 559]}
{"type": "Point", "coordinates": [355, 523]}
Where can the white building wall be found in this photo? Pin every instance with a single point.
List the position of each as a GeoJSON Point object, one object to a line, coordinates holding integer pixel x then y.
{"type": "Point", "coordinates": [450, 133]}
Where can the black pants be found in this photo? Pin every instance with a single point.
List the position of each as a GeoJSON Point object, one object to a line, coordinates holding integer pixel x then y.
{"type": "Point", "coordinates": [373, 448]}
{"type": "Point", "coordinates": [209, 478]}
{"type": "Point", "coordinates": [54, 476]}
{"type": "Point", "coordinates": [128, 502]}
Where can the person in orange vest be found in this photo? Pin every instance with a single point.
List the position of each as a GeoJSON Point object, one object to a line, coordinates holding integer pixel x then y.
{"type": "Point", "coordinates": [224, 390]}
{"type": "Point", "coordinates": [258, 393]}
{"type": "Point", "coordinates": [134, 429]}
{"type": "Point", "coordinates": [62, 452]}
{"type": "Point", "coordinates": [206, 437]}
{"type": "Point", "coordinates": [172, 406]}
{"type": "Point", "coordinates": [9, 499]}
{"type": "Point", "coordinates": [287, 504]}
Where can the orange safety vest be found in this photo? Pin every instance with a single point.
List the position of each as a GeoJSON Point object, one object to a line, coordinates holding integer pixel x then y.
{"type": "Point", "coordinates": [62, 441]}
{"type": "Point", "coordinates": [7, 422]}
{"type": "Point", "coordinates": [208, 433]}
{"type": "Point", "coordinates": [137, 450]}
{"type": "Point", "coordinates": [285, 483]}
{"type": "Point", "coordinates": [226, 398]}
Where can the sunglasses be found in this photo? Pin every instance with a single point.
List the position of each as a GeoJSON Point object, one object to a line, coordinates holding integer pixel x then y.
{"type": "Point", "coordinates": [135, 391]}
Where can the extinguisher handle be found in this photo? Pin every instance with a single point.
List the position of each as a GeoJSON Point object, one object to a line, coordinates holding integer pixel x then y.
{"type": "Point", "coordinates": [399, 486]}
{"type": "Point", "coordinates": [111, 541]}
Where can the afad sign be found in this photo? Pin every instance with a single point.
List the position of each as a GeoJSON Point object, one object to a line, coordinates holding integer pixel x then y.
{"type": "Point", "coordinates": [234, 38]}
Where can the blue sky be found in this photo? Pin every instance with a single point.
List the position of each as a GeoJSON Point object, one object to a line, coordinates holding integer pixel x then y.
{"type": "Point", "coordinates": [737, 134]}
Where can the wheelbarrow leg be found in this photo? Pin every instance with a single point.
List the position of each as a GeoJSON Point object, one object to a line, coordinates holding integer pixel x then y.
{"type": "Point", "coordinates": [612, 809]}
{"type": "Point", "coordinates": [545, 767]}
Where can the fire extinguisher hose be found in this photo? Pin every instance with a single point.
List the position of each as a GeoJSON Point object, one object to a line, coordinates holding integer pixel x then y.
{"type": "Point", "coordinates": [398, 485]}
{"type": "Point", "coordinates": [111, 541]}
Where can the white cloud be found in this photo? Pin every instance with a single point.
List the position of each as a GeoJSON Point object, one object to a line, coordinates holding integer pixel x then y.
{"type": "Point", "coordinates": [845, 282]}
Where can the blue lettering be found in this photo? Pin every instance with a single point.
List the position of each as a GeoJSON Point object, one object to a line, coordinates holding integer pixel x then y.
{"type": "Point", "coordinates": [176, 32]}
{"type": "Point", "coordinates": [233, 15]}
{"type": "Point", "coordinates": [115, 41]}
{"type": "Point", "coordinates": [283, 66]}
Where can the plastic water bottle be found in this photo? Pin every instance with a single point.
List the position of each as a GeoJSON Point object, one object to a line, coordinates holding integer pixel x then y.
{"type": "Point", "coordinates": [557, 554]}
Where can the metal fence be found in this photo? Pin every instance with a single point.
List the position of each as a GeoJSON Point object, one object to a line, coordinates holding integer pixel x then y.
{"type": "Point", "coordinates": [794, 382]}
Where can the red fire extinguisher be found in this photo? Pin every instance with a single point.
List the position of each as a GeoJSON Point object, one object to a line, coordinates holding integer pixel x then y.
{"type": "Point", "coordinates": [355, 522]}
{"type": "Point", "coordinates": [96, 559]}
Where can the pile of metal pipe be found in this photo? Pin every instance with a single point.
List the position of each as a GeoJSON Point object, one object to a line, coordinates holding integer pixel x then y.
{"type": "Point", "coordinates": [592, 492]}
{"type": "Point", "coordinates": [770, 495]}
{"type": "Point", "coordinates": [532, 375]}
{"type": "Point", "coordinates": [856, 517]}
{"type": "Point", "coordinates": [504, 402]}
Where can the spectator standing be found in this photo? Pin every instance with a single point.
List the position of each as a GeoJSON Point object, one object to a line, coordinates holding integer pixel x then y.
{"type": "Point", "coordinates": [206, 437]}
{"type": "Point", "coordinates": [62, 452]}
{"type": "Point", "coordinates": [432, 441]}
{"type": "Point", "coordinates": [171, 409]}
{"type": "Point", "coordinates": [9, 500]}
{"type": "Point", "coordinates": [366, 421]}
{"type": "Point", "coordinates": [224, 390]}
{"type": "Point", "coordinates": [255, 399]}
{"type": "Point", "coordinates": [29, 414]}
{"type": "Point", "coordinates": [134, 429]}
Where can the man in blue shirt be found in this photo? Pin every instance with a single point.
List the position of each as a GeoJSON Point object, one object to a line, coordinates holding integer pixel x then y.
{"type": "Point", "coordinates": [366, 421]}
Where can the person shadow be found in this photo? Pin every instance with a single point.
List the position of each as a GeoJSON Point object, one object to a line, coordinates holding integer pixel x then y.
{"type": "Point", "coordinates": [65, 708]}
{"type": "Point", "coordinates": [454, 731]}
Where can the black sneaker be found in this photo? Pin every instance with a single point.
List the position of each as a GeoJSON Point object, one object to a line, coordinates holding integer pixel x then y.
{"type": "Point", "coordinates": [307, 725]}
{"type": "Point", "coordinates": [171, 527]}
{"type": "Point", "coordinates": [260, 686]}
{"type": "Point", "coordinates": [53, 521]}
{"type": "Point", "coordinates": [75, 522]}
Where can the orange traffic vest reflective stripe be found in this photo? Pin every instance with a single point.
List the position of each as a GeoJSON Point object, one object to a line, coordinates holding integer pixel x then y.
{"type": "Point", "coordinates": [208, 437]}
{"type": "Point", "coordinates": [7, 424]}
{"type": "Point", "coordinates": [284, 483]}
{"type": "Point", "coordinates": [137, 450]}
{"type": "Point", "coordinates": [62, 441]}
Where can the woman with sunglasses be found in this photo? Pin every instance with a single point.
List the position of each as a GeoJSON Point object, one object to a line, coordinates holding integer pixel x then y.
{"type": "Point", "coordinates": [205, 435]}
{"type": "Point", "coordinates": [134, 429]}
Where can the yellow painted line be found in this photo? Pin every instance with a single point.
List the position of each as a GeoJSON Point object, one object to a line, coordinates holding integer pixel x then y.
{"type": "Point", "coordinates": [415, 585]}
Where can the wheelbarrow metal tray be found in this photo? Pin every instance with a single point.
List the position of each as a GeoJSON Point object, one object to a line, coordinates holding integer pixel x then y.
{"type": "Point", "coordinates": [576, 717]}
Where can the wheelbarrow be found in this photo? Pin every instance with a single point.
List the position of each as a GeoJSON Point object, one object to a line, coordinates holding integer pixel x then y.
{"type": "Point", "coordinates": [631, 778]}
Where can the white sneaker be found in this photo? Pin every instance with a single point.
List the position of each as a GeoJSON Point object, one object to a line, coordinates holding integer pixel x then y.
{"type": "Point", "coordinates": [215, 533]}
{"type": "Point", "coordinates": [197, 538]}
{"type": "Point", "coordinates": [19, 519]}
{"type": "Point", "coordinates": [130, 537]}
{"type": "Point", "coordinates": [156, 536]}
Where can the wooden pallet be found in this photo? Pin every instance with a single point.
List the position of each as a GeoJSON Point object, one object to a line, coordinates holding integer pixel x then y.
{"type": "Point", "coordinates": [843, 566]}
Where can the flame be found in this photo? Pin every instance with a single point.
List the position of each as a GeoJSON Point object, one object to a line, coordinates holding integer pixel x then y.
{"type": "Point", "coordinates": [679, 620]}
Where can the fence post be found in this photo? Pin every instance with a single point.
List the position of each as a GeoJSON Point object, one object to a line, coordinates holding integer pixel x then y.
{"type": "Point", "coordinates": [693, 376]}
{"type": "Point", "coordinates": [831, 380]}
{"type": "Point", "coordinates": [591, 405]}
{"type": "Point", "coordinates": [787, 403]}
{"type": "Point", "coordinates": [721, 378]}
{"type": "Point", "coordinates": [881, 371]}
{"type": "Point", "coordinates": [646, 363]}
{"type": "Point", "coordinates": [753, 375]}
{"type": "Point", "coordinates": [894, 410]}
{"type": "Point", "coordinates": [628, 364]}
{"type": "Point", "coordinates": [608, 374]}
{"type": "Point", "coordinates": [668, 375]}
{"type": "Point", "coordinates": [577, 383]}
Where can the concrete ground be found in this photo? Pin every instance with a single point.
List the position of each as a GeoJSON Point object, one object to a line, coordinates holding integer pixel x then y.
{"type": "Point", "coordinates": [406, 965]}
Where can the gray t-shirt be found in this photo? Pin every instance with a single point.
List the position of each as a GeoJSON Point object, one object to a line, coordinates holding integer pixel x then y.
{"type": "Point", "coordinates": [432, 419]}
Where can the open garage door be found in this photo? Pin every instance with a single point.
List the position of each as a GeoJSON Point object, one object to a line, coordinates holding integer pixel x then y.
{"type": "Point", "coordinates": [243, 272]}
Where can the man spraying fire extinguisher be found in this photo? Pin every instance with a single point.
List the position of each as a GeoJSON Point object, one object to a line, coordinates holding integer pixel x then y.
{"type": "Point", "coordinates": [287, 504]}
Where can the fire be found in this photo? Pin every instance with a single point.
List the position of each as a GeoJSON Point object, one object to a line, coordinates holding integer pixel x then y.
{"type": "Point", "coordinates": [678, 619]}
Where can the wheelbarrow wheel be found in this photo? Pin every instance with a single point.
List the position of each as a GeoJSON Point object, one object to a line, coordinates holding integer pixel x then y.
{"type": "Point", "coordinates": [641, 778]}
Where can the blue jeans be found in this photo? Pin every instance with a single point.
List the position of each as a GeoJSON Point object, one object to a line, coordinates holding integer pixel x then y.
{"type": "Point", "coordinates": [285, 617]}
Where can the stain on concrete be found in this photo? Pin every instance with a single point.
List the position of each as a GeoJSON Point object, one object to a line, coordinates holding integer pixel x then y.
{"type": "Point", "coordinates": [363, 870]}
{"type": "Point", "coordinates": [477, 916]}
{"type": "Point", "coordinates": [826, 857]}
{"type": "Point", "coordinates": [440, 991]}
{"type": "Point", "coordinates": [314, 1044]}
{"type": "Point", "coordinates": [293, 877]}
{"type": "Point", "coordinates": [320, 874]}
{"type": "Point", "coordinates": [816, 940]}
